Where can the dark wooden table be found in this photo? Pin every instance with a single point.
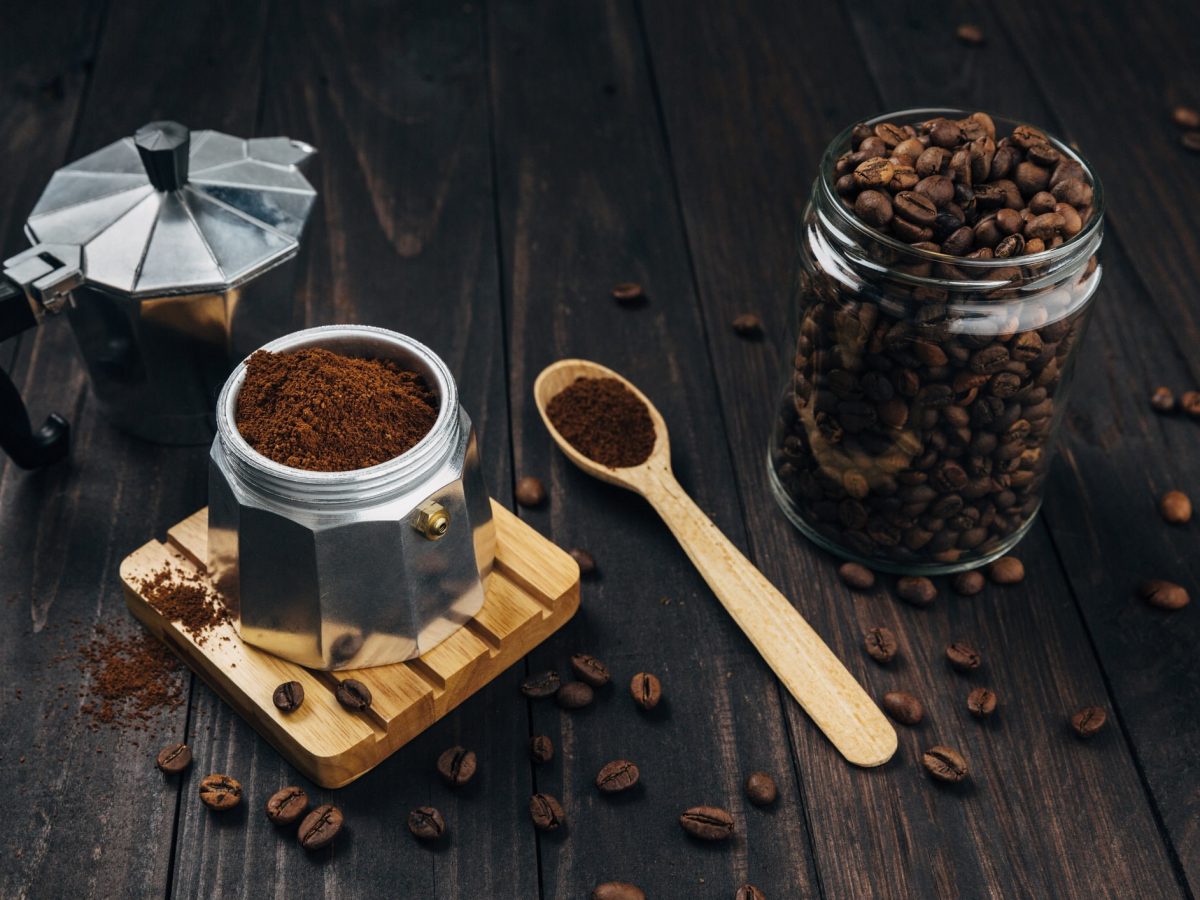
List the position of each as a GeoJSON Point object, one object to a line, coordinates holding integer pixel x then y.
{"type": "Point", "coordinates": [487, 171]}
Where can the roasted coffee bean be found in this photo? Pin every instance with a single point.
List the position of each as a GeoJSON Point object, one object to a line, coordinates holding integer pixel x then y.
{"type": "Point", "coordinates": [618, 890]}
{"type": "Point", "coordinates": [289, 696]}
{"type": "Point", "coordinates": [971, 35]}
{"type": "Point", "coordinates": [426, 823]}
{"type": "Point", "coordinates": [1163, 400]}
{"type": "Point", "coordinates": [353, 694]}
{"type": "Point", "coordinates": [174, 758]}
{"type": "Point", "coordinates": [981, 702]}
{"type": "Point", "coordinates": [541, 748]}
{"type": "Point", "coordinates": [1186, 117]}
{"type": "Point", "coordinates": [968, 584]}
{"type": "Point", "coordinates": [915, 207]}
{"type": "Point", "coordinates": [1164, 594]}
{"type": "Point", "coordinates": [709, 823]}
{"type": "Point", "coordinates": [873, 173]}
{"type": "Point", "coordinates": [530, 492]}
{"type": "Point", "coordinates": [881, 644]}
{"type": "Point", "coordinates": [220, 792]}
{"type": "Point", "coordinates": [1189, 402]}
{"type": "Point", "coordinates": [916, 589]}
{"type": "Point", "coordinates": [616, 776]}
{"type": "Point", "coordinates": [1175, 507]}
{"type": "Point", "coordinates": [587, 565]}
{"type": "Point", "coordinates": [546, 812]}
{"type": "Point", "coordinates": [963, 656]}
{"type": "Point", "coordinates": [287, 805]}
{"type": "Point", "coordinates": [903, 707]}
{"type": "Point", "coordinates": [874, 208]}
{"type": "Point", "coordinates": [541, 685]}
{"type": "Point", "coordinates": [856, 576]}
{"type": "Point", "coordinates": [457, 766]}
{"type": "Point", "coordinates": [320, 827]}
{"type": "Point", "coordinates": [627, 292]}
{"type": "Point", "coordinates": [1007, 570]}
{"type": "Point", "coordinates": [944, 764]}
{"type": "Point", "coordinates": [575, 695]}
{"type": "Point", "coordinates": [1088, 721]}
{"type": "Point", "coordinates": [646, 690]}
{"type": "Point", "coordinates": [761, 789]}
{"type": "Point", "coordinates": [588, 668]}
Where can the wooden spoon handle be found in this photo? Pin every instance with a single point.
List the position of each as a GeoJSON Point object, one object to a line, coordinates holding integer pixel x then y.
{"type": "Point", "coordinates": [831, 696]}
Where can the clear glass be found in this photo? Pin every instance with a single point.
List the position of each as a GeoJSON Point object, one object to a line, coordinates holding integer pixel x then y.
{"type": "Point", "coordinates": [921, 405]}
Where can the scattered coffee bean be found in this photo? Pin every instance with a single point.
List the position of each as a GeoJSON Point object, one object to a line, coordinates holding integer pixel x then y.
{"type": "Point", "coordinates": [287, 805]}
{"type": "Point", "coordinates": [1163, 400]}
{"type": "Point", "coordinates": [320, 827]}
{"type": "Point", "coordinates": [916, 590]}
{"type": "Point", "coordinates": [968, 584]}
{"type": "Point", "coordinates": [903, 707]}
{"type": "Point", "coordinates": [1164, 594]}
{"type": "Point", "coordinates": [963, 656]}
{"type": "Point", "coordinates": [530, 492]}
{"type": "Point", "coordinates": [457, 766]}
{"type": "Point", "coordinates": [587, 565]}
{"type": "Point", "coordinates": [1185, 117]}
{"type": "Point", "coordinates": [646, 690]}
{"type": "Point", "coordinates": [627, 292]}
{"type": "Point", "coordinates": [856, 576]}
{"type": "Point", "coordinates": [748, 325]}
{"type": "Point", "coordinates": [588, 668]}
{"type": "Point", "coordinates": [761, 789]}
{"type": "Point", "coordinates": [709, 823]}
{"type": "Point", "coordinates": [541, 685]}
{"type": "Point", "coordinates": [971, 35]}
{"type": "Point", "coordinates": [618, 775]}
{"type": "Point", "coordinates": [220, 792]}
{"type": "Point", "coordinates": [426, 823]}
{"type": "Point", "coordinates": [1176, 508]}
{"type": "Point", "coordinates": [288, 696]}
{"type": "Point", "coordinates": [618, 890]}
{"type": "Point", "coordinates": [541, 748]}
{"type": "Point", "coordinates": [1189, 402]}
{"type": "Point", "coordinates": [353, 694]}
{"type": "Point", "coordinates": [575, 695]}
{"type": "Point", "coordinates": [1191, 141]}
{"type": "Point", "coordinates": [749, 892]}
{"type": "Point", "coordinates": [981, 702]}
{"type": "Point", "coordinates": [944, 764]}
{"type": "Point", "coordinates": [1007, 570]}
{"type": "Point", "coordinates": [546, 812]}
{"type": "Point", "coordinates": [881, 644]}
{"type": "Point", "coordinates": [174, 758]}
{"type": "Point", "coordinates": [1088, 721]}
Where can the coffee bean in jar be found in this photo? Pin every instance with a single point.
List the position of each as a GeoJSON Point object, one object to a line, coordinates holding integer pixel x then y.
{"type": "Point", "coordinates": [947, 261]}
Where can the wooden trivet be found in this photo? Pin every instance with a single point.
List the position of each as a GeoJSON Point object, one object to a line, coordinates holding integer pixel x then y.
{"type": "Point", "coordinates": [532, 592]}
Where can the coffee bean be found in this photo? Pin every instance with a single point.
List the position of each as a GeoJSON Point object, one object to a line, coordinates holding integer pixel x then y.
{"type": "Point", "coordinates": [915, 207]}
{"type": "Point", "coordinates": [903, 707]}
{"type": "Point", "coordinates": [1189, 402]}
{"type": "Point", "coordinates": [542, 685]}
{"type": "Point", "coordinates": [618, 890]}
{"type": "Point", "coordinates": [457, 766]}
{"type": "Point", "coordinates": [709, 823]}
{"type": "Point", "coordinates": [288, 696]}
{"type": "Point", "coordinates": [981, 702]}
{"type": "Point", "coordinates": [1164, 594]}
{"type": "Point", "coordinates": [971, 35]}
{"type": "Point", "coordinates": [353, 694]}
{"type": "Point", "coordinates": [963, 656]}
{"type": "Point", "coordinates": [968, 584]}
{"type": "Point", "coordinates": [1088, 721]}
{"type": "Point", "coordinates": [627, 292]}
{"type": "Point", "coordinates": [1163, 400]}
{"type": "Point", "coordinates": [174, 758]}
{"type": "Point", "coordinates": [749, 892]}
{"type": "Point", "coordinates": [587, 565]}
{"type": "Point", "coordinates": [916, 589]}
{"type": "Point", "coordinates": [874, 208]}
{"type": "Point", "coordinates": [320, 827]}
{"type": "Point", "coordinates": [1007, 570]}
{"type": "Point", "coordinates": [541, 748]}
{"type": "Point", "coordinates": [575, 695]}
{"type": "Point", "coordinates": [1185, 117]}
{"type": "Point", "coordinates": [1175, 507]}
{"type": "Point", "coordinates": [856, 576]}
{"type": "Point", "coordinates": [761, 789]}
{"type": "Point", "coordinates": [220, 792]}
{"type": "Point", "coordinates": [618, 775]}
{"type": "Point", "coordinates": [530, 492]}
{"type": "Point", "coordinates": [748, 325]}
{"type": "Point", "coordinates": [1191, 141]}
{"type": "Point", "coordinates": [873, 173]}
{"type": "Point", "coordinates": [881, 644]}
{"type": "Point", "coordinates": [646, 690]}
{"type": "Point", "coordinates": [546, 812]}
{"type": "Point", "coordinates": [588, 668]}
{"type": "Point", "coordinates": [426, 823]}
{"type": "Point", "coordinates": [287, 805]}
{"type": "Point", "coordinates": [944, 764]}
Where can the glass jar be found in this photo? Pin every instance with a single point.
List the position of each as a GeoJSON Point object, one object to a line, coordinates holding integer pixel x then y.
{"type": "Point", "coordinates": [921, 405]}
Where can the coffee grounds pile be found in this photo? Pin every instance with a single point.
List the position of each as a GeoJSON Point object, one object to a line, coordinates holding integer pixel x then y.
{"type": "Point", "coordinates": [131, 680]}
{"type": "Point", "coordinates": [320, 411]}
{"type": "Point", "coordinates": [603, 420]}
{"type": "Point", "coordinates": [185, 599]}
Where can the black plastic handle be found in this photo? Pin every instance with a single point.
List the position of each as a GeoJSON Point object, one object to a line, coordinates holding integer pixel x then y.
{"type": "Point", "coordinates": [164, 148]}
{"type": "Point", "coordinates": [27, 448]}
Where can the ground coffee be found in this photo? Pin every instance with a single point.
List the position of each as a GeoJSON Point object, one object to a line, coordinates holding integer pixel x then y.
{"type": "Point", "coordinates": [130, 680]}
{"type": "Point", "coordinates": [316, 410]}
{"type": "Point", "coordinates": [186, 599]}
{"type": "Point", "coordinates": [603, 420]}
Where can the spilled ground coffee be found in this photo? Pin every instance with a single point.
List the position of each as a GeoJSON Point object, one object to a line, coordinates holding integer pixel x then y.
{"type": "Point", "coordinates": [603, 420]}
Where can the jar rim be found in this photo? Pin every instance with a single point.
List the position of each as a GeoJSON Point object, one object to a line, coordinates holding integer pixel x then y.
{"type": "Point", "coordinates": [842, 142]}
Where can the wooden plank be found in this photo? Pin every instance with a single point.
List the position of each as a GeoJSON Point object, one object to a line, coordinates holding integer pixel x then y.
{"type": "Point", "coordinates": [1046, 816]}
{"type": "Point", "coordinates": [585, 202]}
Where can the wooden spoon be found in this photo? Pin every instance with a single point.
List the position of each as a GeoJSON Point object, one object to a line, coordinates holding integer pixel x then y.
{"type": "Point", "coordinates": [797, 655]}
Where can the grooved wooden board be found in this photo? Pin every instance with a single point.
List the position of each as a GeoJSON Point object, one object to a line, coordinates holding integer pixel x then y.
{"type": "Point", "coordinates": [533, 590]}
